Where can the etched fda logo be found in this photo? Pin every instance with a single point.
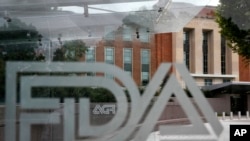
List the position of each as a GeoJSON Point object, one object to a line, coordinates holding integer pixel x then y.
{"type": "Point", "coordinates": [118, 128]}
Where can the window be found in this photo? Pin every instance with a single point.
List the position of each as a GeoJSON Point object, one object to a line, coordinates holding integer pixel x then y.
{"type": "Point", "coordinates": [145, 61]}
{"type": "Point", "coordinates": [205, 52]}
{"type": "Point", "coordinates": [90, 55]}
{"type": "Point", "coordinates": [223, 55]}
{"type": "Point", "coordinates": [208, 82]}
{"type": "Point", "coordinates": [109, 59]}
{"type": "Point", "coordinates": [225, 80]}
{"type": "Point", "coordinates": [186, 47]}
{"type": "Point", "coordinates": [127, 34]}
{"type": "Point", "coordinates": [127, 60]}
{"type": "Point", "coordinates": [143, 35]}
{"type": "Point", "coordinates": [109, 55]}
{"type": "Point", "coordinates": [109, 33]}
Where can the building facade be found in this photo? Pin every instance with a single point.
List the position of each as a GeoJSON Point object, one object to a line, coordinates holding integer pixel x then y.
{"type": "Point", "coordinates": [139, 56]}
{"type": "Point", "coordinates": [199, 45]}
{"type": "Point", "coordinates": [202, 48]}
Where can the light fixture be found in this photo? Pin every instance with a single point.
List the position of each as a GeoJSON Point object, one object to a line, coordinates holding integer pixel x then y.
{"type": "Point", "coordinates": [137, 34]}
{"type": "Point", "coordinates": [160, 9]}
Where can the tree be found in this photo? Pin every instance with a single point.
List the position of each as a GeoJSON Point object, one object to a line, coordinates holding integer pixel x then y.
{"type": "Point", "coordinates": [18, 42]}
{"type": "Point", "coordinates": [233, 18]}
{"type": "Point", "coordinates": [70, 51]}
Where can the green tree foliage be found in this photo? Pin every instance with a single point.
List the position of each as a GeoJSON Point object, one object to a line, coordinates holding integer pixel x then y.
{"type": "Point", "coordinates": [233, 18]}
{"type": "Point", "coordinates": [18, 42]}
{"type": "Point", "coordinates": [70, 51]}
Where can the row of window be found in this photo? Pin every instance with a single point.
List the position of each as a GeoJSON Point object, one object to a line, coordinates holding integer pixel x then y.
{"type": "Point", "coordinates": [127, 61]}
{"type": "Point", "coordinates": [205, 50]}
{"type": "Point", "coordinates": [128, 34]}
{"type": "Point", "coordinates": [209, 81]}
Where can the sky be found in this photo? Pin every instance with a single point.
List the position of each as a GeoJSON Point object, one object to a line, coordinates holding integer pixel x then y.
{"type": "Point", "coordinates": [133, 6]}
{"type": "Point", "coordinates": [213, 2]}
{"type": "Point", "coordinates": [201, 2]}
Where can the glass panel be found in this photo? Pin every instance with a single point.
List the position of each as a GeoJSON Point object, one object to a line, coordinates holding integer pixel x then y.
{"type": "Point", "coordinates": [109, 33]}
{"type": "Point", "coordinates": [205, 52]}
{"type": "Point", "coordinates": [145, 66]}
{"type": "Point", "coordinates": [208, 82]}
{"type": "Point", "coordinates": [90, 55]}
{"type": "Point", "coordinates": [127, 34]}
{"type": "Point", "coordinates": [64, 66]}
{"type": "Point", "coordinates": [144, 34]}
{"type": "Point", "coordinates": [145, 56]}
{"type": "Point", "coordinates": [186, 47]}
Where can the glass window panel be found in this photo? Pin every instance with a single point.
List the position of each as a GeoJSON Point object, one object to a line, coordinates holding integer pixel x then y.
{"type": "Point", "coordinates": [145, 78]}
{"type": "Point", "coordinates": [186, 47]}
{"type": "Point", "coordinates": [205, 52]}
{"type": "Point", "coordinates": [109, 59]}
{"type": "Point", "coordinates": [127, 34]}
{"type": "Point", "coordinates": [109, 33]}
{"type": "Point", "coordinates": [144, 35]}
{"type": "Point", "coordinates": [145, 57]}
{"type": "Point", "coordinates": [226, 80]}
{"type": "Point", "coordinates": [145, 67]}
{"type": "Point", "coordinates": [128, 67]}
{"type": "Point", "coordinates": [208, 81]}
{"type": "Point", "coordinates": [145, 60]}
{"type": "Point", "coordinates": [127, 60]}
{"type": "Point", "coordinates": [127, 55]}
{"type": "Point", "coordinates": [223, 55]}
{"type": "Point", "coordinates": [90, 55]}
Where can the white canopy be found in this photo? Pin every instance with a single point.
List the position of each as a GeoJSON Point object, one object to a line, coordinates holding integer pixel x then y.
{"type": "Point", "coordinates": [77, 18]}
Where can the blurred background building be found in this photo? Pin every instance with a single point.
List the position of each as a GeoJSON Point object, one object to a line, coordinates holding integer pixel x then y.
{"type": "Point", "coordinates": [199, 45]}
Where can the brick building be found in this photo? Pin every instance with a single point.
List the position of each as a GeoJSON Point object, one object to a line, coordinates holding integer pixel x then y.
{"type": "Point", "coordinates": [140, 57]}
{"type": "Point", "coordinates": [199, 45]}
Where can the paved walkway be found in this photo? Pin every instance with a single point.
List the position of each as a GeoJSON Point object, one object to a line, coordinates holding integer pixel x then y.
{"type": "Point", "coordinates": [155, 136]}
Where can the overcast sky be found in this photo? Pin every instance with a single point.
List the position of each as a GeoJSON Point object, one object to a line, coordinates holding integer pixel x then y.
{"type": "Point", "coordinates": [201, 2]}
{"type": "Point", "coordinates": [214, 2]}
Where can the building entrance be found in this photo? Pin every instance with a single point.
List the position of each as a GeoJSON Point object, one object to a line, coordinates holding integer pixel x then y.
{"type": "Point", "coordinates": [239, 103]}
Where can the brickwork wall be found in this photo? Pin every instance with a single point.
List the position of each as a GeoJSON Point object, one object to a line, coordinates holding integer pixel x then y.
{"type": "Point", "coordinates": [244, 70]}
{"type": "Point", "coordinates": [160, 47]}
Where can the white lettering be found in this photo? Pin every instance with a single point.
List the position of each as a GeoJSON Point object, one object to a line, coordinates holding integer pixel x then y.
{"type": "Point", "coordinates": [104, 110]}
{"type": "Point", "coordinates": [239, 132]}
{"type": "Point", "coordinates": [243, 131]}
